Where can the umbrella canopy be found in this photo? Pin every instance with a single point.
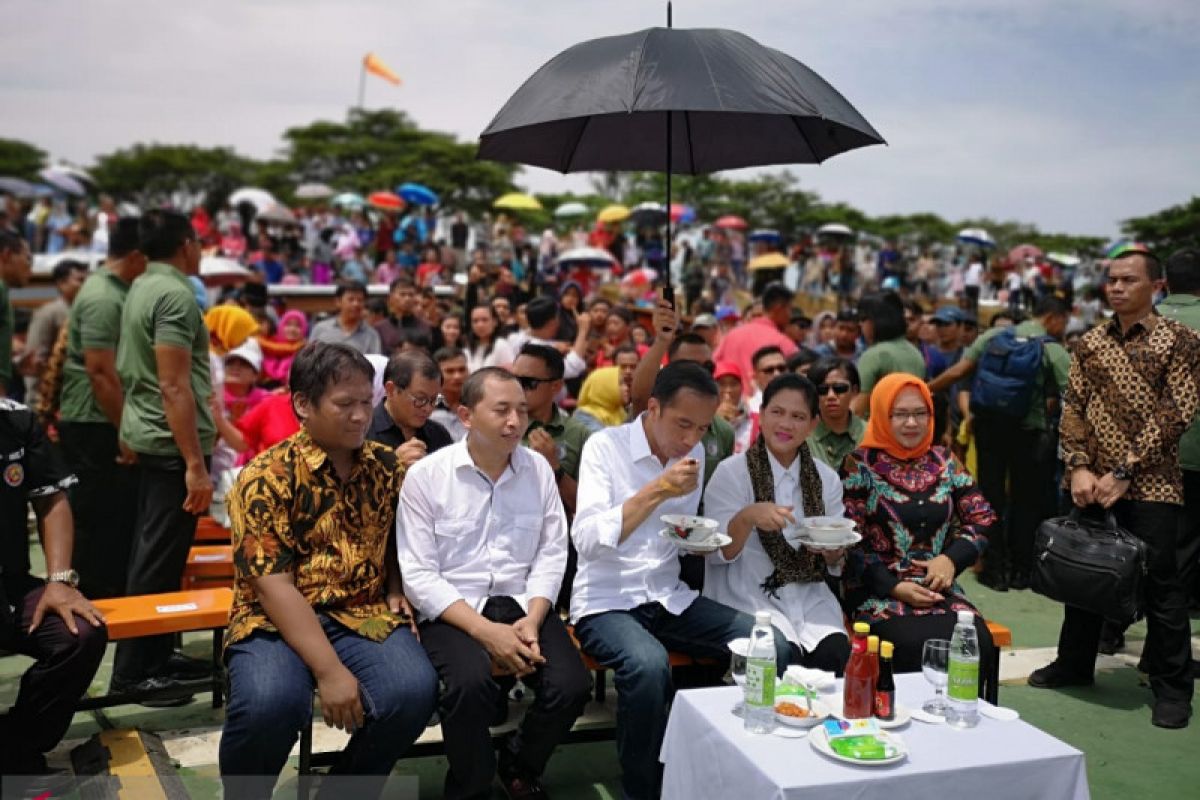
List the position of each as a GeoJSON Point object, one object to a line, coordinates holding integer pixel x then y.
{"type": "Point", "coordinates": [314, 191]}
{"type": "Point", "coordinates": [81, 175]}
{"type": "Point", "coordinates": [643, 276]}
{"type": "Point", "coordinates": [574, 209]}
{"type": "Point", "coordinates": [277, 213]}
{"type": "Point", "coordinates": [834, 229]}
{"type": "Point", "coordinates": [976, 236]}
{"type": "Point", "coordinates": [613, 213]}
{"type": "Point", "coordinates": [517, 201]}
{"type": "Point", "coordinates": [1064, 259]}
{"type": "Point", "coordinates": [731, 221]}
{"type": "Point", "coordinates": [587, 257]}
{"type": "Point", "coordinates": [682, 213]}
{"type": "Point", "coordinates": [259, 198]}
{"type": "Point", "coordinates": [61, 181]}
{"type": "Point", "coordinates": [417, 194]}
{"type": "Point", "coordinates": [1023, 251]}
{"type": "Point", "coordinates": [349, 199]}
{"type": "Point", "coordinates": [217, 270]}
{"type": "Point", "coordinates": [649, 213]}
{"type": "Point", "coordinates": [604, 105]}
{"type": "Point", "coordinates": [765, 235]}
{"type": "Point", "coordinates": [17, 187]}
{"type": "Point", "coordinates": [386, 200]}
{"type": "Point", "coordinates": [768, 261]}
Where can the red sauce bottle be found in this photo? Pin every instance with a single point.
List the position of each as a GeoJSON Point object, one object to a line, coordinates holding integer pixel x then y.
{"type": "Point", "coordinates": [858, 694]}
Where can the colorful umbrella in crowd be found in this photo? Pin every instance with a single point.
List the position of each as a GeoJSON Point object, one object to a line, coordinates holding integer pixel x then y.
{"type": "Point", "coordinates": [731, 221]}
{"type": "Point", "coordinates": [765, 235]}
{"type": "Point", "coordinates": [682, 214]}
{"type": "Point", "coordinates": [261, 199]}
{"type": "Point", "coordinates": [768, 261]}
{"type": "Point", "coordinates": [517, 201]}
{"type": "Point", "coordinates": [1064, 259]}
{"type": "Point", "coordinates": [835, 229]}
{"type": "Point", "coordinates": [639, 278]}
{"type": "Point", "coordinates": [417, 194]}
{"type": "Point", "coordinates": [1023, 251]}
{"type": "Point", "coordinates": [572, 209]}
{"type": "Point", "coordinates": [385, 201]}
{"type": "Point", "coordinates": [587, 257]}
{"type": "Point", "coordinates": [613, 213]}
{"type": "Point", "coordinates": [17, 187]}
{"type": "Point", "coordinates": [314, 191]}
{"type": "Point", "coordinates": [277, 213]}
{"type": "Point", "coordinates": [67, 184]}
{"type": "Point", "coordinates": [219, 270]}
{"type": "Point", "coordinates": [648, 214]}
{"type": "Point", "coordinates": [976, 236]}
{"type": "Point", "coordinates": [349, 200]}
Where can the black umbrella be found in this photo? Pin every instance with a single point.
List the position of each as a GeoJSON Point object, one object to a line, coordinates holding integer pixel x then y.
{"type": "Point", "coordinates": [679, 101]}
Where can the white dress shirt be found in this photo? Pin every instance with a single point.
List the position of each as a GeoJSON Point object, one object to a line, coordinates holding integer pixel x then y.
{"type": "Point", "coordinates": [805, 613]}
{"type": "Point", "coordinates": [461, 537]}
{"type": "Point", "coordinates": [447, 417]}
{"type": "Point", "coordinates": [616, 575]}
{"type": "Point", "coordinates": [573, 365]}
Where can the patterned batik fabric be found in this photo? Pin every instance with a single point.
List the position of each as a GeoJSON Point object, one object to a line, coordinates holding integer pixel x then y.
{"type": "Point", "coordinates": [290, 512]}
{"type": "Point", "coordinates": [1130, 396]}
{"type": "Point", "coordinates": [909, 510]}
{"type": "Point", "coordinates": [791, 565]}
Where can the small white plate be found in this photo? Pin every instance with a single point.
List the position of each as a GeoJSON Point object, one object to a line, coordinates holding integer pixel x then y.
{"type": "Point", "coordinates": [819, 740]}
{"type": "Point", "coordinates": [1000, 713]}
{"type": "Point", "coordinates": [713, 542]}
{"type": "Point", "coordinates": [852, 537]}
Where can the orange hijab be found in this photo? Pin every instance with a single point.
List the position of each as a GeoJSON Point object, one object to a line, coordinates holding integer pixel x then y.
{"type": "Point", "coordinates": [879, 427]}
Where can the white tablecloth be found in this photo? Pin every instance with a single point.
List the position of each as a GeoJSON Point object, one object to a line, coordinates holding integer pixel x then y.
{"type": "Point", "coordinates": [707, 753]}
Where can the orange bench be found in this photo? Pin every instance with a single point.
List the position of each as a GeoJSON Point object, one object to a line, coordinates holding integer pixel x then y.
{"type": "Point", "coordinates": [168, 613]}
{"type": "Point", "coordinates": [209, 531]}
{"type": "Point", "coordinates": [208, 567]}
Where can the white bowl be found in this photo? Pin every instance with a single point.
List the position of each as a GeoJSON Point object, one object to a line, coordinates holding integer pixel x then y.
{"type": "Point", "coordinates": [827, 530]}
{"type": "Point", "coordinates": [819, 712]}
{"type": "Point", "coordinates": [697, 528]}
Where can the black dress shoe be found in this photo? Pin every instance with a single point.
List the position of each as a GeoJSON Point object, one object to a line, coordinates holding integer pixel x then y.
{"type": "Point", "coordinates": [153, 684]}
{"type": "Point", "coordinates": [1054, 676]}
{"type": "Point", "coordinates": [518, 786]}
{"type": "Point", "coordinates": [186, 668]}
{"type": "Point", "coordinates": [1019, 581]}
{"type": "Point", "coordinates": [1172, 714]}
{"type": "Point", "coordinates": [1110, 646]}
{"type": "Point", "coordinates": [996, 581]}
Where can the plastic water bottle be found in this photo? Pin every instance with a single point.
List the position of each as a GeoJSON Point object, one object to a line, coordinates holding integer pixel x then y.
{"type": "Point", "coordinates": [962, 686]}
{"type": "Point", "coordinates": [758, 710]}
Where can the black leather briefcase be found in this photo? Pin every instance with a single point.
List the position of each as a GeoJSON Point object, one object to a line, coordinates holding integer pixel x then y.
{"type": "Point", "coordinates": [1094, 565]}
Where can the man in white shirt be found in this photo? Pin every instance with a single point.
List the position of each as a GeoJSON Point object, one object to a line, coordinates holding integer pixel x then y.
{"type": "Point", "coordinates": [482, 540]}
{"type": "Point", "coordinates": [973, 282]}
{"type": "Point", "coordinates": [628, 603]}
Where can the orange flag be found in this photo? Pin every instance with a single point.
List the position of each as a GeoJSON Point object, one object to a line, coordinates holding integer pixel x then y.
{"type": "Point", "coordinates": [373, 64]}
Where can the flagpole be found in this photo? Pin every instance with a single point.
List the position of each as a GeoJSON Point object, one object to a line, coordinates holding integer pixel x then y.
{"type": "Point", "coordinates": [362, 82]}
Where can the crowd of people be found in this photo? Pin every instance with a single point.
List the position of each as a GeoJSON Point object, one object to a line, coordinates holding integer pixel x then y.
{"type": "Point", "coordinates": [424, 494]}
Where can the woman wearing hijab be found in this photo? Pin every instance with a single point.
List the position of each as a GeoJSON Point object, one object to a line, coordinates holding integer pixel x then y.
{"type": "Point", "coordinates": [600, 404]}
{"type": "Point", "coordinates": [923, 522]}
{"type": "Point", "coordinates": [228, 327]}
{"type": "Point", "coordinates": [757, 497]}
{"type": "Point", "coordinates": [280, 350]}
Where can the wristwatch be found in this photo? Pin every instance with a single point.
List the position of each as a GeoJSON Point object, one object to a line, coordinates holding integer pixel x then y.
{"type": "Point", "coordinates": [1123, 472]}
{"type": "Point", "coordinates": [68, 576]}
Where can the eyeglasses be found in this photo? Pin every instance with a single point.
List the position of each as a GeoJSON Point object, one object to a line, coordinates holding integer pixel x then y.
{"type": "Point", "coordinates": [530, 384]}
{"type": "Point", "coordinates": [421, 402]}
{"type": "Point", "coordinates": [838, 388]}
{"type": "Point", "coordinates": [778, 369]}
{"type": "Point", "coordinates": [916, 416]}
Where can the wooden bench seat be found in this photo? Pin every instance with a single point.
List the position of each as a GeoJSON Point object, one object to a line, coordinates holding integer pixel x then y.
{"type": "Point", "coordinates": [209, 531]}
{"type": "Point", "coordinates": [209, 566]}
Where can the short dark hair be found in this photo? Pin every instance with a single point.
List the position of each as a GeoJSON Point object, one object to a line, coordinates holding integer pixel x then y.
{"type": "Point", "coordinates": [791, 381]}
{"type": "Point", "coordinates": [913, 305]}
{"type": "Point", "coordinates": [802, 356]}
{"type": "Point", "coordinates": [161, 232]}
{"type": "Point", "coordinates": [680, 375]}
{"type": "Point", "coordinates": [763, 352]}
{"type": "Point", "coordinates": [801, 319]}
{"type": "Point", "coordinates": [555, 364]}
{"type": "Point", "coordinates": [472, 391]}
{"type": "Point", "coordinates": [1154, 267]}
{"type": "Point", "coordinates": [421, 338]}
{"type": "Point", "coordinates": [402, 281]}
{"type": "Point", "coordinates": [346, 287]}
{"type": "Point", "coordinates": [1183, 270]}
{"type": "Point", "coordinates": [599, 301]}
{"type": "Point", "coordinates": [682, 339]}
{"type": "Point", "coordinates": [847, 315]}
{"type": "Point", "coordinates": [886, 312]}
{"type": "Point", "coordinates": [621, 312]}
{"type": "Point", "coordinates": [377, 305]}
{"type": "Point", "coordinates": [625, 348]}
{"type": "Point", "coordinates": [820, 371]}
{"type": "Point", "coordinates": [541, 310]}
{"type": "Point", "coordinates": [320, 365]}
{"type": "Point", "coordinates": [776, 294]}
{"type": "Point", "coordinates": [403, 367]}
{"type": "Point", "coordinates": [63, 269]}
{"type": "Point", "coordinates": [1051, 305]}
{"type": "Point", "coordinates": [123, 238]}
{"type": "Point", "coordinates": [448, 354]}
{"type": "Point", "coordinates": [10, 241]}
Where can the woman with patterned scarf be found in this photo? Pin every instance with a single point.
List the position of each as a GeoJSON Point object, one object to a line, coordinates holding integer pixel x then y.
{"type": "Point", "coordinates": [758, 496]}
{"type": "Point", "coordinates": [923, 522]}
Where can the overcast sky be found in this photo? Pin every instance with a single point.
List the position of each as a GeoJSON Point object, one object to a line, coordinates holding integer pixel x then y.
{"type": "Point", "coordinates": [1073, 114]}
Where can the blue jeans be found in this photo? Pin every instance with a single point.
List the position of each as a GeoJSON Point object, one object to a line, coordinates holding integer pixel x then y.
{"type": "Point", "coordinates": [270, 700]}
{"type": "Point", "coordinates": [634, 645]}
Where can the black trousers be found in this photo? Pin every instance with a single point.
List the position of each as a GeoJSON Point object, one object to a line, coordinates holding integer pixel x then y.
{"type": "Point", "coordinates": [1167, 655]}
{"type": "Point", "coordinates": [909, 634]}
{"type": "Point", "coordinates": [104, 505]}
{"type": "Point", "coordinates": [470, 694]}
{"type": "Point", "coordinates": [1016, 475]}
{"type": "Point", "coordinates": [158, 558]}
{"type": "Point", "coordinates": [65, 665]}
{"type": "Point", "coordinates": [1189, 537]}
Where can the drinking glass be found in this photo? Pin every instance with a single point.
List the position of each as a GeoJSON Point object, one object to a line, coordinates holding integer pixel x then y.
{"type": "Point", "coordinates": [935, 663]}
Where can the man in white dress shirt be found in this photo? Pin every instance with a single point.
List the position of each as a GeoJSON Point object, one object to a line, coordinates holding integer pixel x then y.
{"type": "Point", "coordinates": [761, 569]}
{"type": "Point", "coordinates": [628, 604]}
{"type": "Point", "coordinates": [482, 540]}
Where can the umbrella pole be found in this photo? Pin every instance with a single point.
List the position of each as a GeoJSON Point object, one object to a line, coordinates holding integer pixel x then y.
{"type": "Point", "coordinates": [668, 292]}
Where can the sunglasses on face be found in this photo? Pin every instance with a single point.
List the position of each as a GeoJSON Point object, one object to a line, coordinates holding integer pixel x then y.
{"type": "Point", "coordinates": [775, 370]}
{"type": "Point", "coordinates": [531, 384]}
{"type": "Point", "coordinates": [838, 388]}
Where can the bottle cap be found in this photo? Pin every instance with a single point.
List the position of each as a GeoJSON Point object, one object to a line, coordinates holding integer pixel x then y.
{"type": "Point", "coordinates": [762, 617]}
{"type": "Point", "coordinates": [966, 617]}
{"type": "Point", "coordinates": [886, 649]}
{"type": "Point", "coordinates": [861, 628]}
{"type": "Point", "coordinates": [872, 644]}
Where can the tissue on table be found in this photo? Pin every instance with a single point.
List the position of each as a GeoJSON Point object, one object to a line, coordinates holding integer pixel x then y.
{"type": "Point", "coordinates": [812, 678]}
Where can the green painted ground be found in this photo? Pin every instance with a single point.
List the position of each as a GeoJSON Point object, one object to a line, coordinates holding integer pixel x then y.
{"type": "Point", "coordinates": [1126, 756]}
